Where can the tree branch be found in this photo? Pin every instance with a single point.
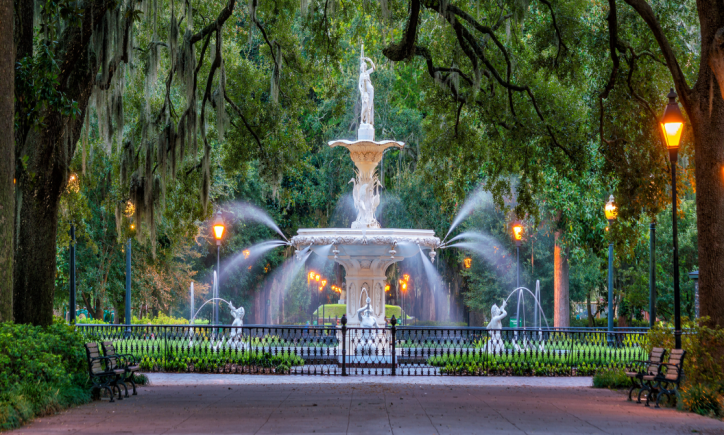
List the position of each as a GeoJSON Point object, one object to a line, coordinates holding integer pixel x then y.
{"type": "Point", "coordinates": [644, 10]}
{"type": "Point", "coordinates": [243, 119]}
{"type": "Point", "coordinates": [405, 49]}
{"type": "Point", "coordinates": [216, 25]}
{"type": "Point", "coordinates": [558, 31]}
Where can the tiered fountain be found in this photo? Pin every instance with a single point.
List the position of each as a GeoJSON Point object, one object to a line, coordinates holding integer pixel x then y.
{"type": "Point", "coordinates": [366, 250]}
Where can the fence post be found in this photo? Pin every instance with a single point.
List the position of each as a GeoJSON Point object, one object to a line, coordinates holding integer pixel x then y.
{"type": "Point", "coordinates": [393, 322]}
{"type": "Point", "coordinates": [344, 344]}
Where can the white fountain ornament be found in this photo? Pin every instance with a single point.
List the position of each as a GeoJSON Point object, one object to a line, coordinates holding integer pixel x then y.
{"type": "Point", "coordinates": [366, 250]}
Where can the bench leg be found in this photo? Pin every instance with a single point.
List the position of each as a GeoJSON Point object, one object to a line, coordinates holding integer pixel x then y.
{"type": "Point", "coordinates": [653, 392]}
{"type": "Point", "coordinates": [125, 387]}
{"type": "Point", "coordinates": [634, 385]}
{"type": "Point", "coordinates": [133, 383]}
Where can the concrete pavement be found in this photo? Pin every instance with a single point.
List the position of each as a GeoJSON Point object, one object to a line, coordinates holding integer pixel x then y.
{"type": "Point", "coordinates": [349, 406]}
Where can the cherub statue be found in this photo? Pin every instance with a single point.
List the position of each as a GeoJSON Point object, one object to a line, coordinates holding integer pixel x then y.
{"type": "Point", "coordinates": [495, 344]}
{"type": "Point", "coordinates": [367, 319]}
{"type": "Point", "coordinates": [235, 335]}
{"type": "Point", "coordinates": [366, 315]}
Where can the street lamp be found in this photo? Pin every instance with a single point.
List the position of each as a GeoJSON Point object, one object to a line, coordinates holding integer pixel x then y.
{"type": "Point", "coordinates": [218, 225]}
{"type": "Point", "coordinates": [672, 125]}
{"type": "Point", "coordinates": [518, 236]}
{"type": "Point", "coordinates": [611, 211]}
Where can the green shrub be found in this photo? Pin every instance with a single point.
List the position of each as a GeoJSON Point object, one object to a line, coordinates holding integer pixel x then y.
{"type": "Point", "coordinates": [161, 319]}
{"type": "Point", "coordinates": [42, 370]}
{"type": "Point", "coordinates": [702, 364]}
{"type": "Point", "coordinates": [702, 399]}
{"type": "Point", "coordinates": [611, 378]}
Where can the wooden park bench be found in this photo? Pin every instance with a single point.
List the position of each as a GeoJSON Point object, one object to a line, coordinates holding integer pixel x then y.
{"type": "Point", "coordinates": [124, 361]}
{"type": "Point", "coordinates": [649, 367]}
{"type": "Point", "coordinates": [101, 371]}
{"type": "Point", "coordinates": [666, 383]}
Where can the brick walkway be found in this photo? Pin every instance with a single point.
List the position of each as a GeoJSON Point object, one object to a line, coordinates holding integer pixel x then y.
{"type": "Point", "coordinates": [302, 405]}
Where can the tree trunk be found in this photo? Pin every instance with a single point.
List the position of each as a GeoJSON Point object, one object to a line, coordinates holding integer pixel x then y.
{"type": "Point", "coordinates": [588, 308]}
{"type": "Point", "coordinates": [7, 159]}
{"type": "Point", "coordinates": [562, 304]}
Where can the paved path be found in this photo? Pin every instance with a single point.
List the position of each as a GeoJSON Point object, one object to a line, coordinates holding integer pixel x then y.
{"type": "Point", "coordinates": [280, 407]}
{"type": "Point", "coordinates": [171, 379]}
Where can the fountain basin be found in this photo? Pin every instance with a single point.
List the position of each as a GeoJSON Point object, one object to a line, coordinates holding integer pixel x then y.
{"type": "Point", "coordinates": [365, 255]}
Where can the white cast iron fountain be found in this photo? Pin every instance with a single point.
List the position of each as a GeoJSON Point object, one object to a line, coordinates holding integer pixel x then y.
{"type": "Point", "coordinates": [366, 250]}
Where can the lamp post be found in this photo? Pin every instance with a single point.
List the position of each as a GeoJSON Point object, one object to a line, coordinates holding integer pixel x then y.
{"type": "Point", "coordinates": [672, 124]}
{"type": "Point", "coordinates": [518, 236]}
{"type": "Point", "coordinates": [652, 274]}
{"type": "Point", "coordinates": [611, 212]}
{"type": "Point", "coordinates": [128, 285]}
{"type": "Point", "coordinates": [129, 212]}
{"type": "Point", "coordinates": [71, 301]}
{"type": "Point", "coordinates": [219, 227]}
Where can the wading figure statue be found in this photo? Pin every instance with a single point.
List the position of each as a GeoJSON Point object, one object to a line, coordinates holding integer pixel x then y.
{"type": "Point", "coordinates": [495, 344]}
{"type": "Point", "coordinates": [367, 319]}
{"type": "Point", "coordinates": [235, 337]}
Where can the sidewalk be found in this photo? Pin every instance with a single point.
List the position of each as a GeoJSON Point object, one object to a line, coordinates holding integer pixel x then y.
{"type": "Point", "coordinates": [250, 404]}
{"type": "Point", "coordinates": [178, 379]}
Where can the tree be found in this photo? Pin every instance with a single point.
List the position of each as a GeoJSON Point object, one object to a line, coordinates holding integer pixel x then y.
{"type": "Point", "coordinates": [470, 59]}
{"type": "Point", "coordinates": [79, 50]}
{"type": "Point", "coordinates": [7, 160]}
{"type": "Point", "coordinates": [704, 106]}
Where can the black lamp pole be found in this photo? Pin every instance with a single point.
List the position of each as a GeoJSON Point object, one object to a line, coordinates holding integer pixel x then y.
{"type": "Point", "coordinates": [652, 274]}
{"type": "Point", "coordinates": [71, 302]}
{"type": "Point", "coordinates": [673, 154]}
{"type": "Point", "coordinates": [128, 285]}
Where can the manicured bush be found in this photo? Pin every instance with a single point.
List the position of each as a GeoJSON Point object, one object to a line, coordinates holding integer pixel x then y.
{"type": "Point", "coordinates": [42, 370]}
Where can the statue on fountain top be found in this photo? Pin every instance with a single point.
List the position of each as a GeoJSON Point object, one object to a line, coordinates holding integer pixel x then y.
{"type": "Point", "coordinates": [366, 129]}
{"type": "Point", "coordinates": [366, 315]}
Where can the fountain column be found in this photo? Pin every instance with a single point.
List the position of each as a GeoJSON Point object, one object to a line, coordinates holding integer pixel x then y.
{"type": "Point", "coordinates": [368, 274]}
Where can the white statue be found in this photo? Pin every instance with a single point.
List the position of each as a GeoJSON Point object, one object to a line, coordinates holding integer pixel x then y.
{"type": "Point", "coordinates": [366, 90]}
{"type": "Point", "coordinates": [366, 200]}
{"type": "Point", "coordinates": [367, 319]}
{"type": "Point", "coordinates": [495, 344]}
{"type": "Point", "coordinates": [235, 337]}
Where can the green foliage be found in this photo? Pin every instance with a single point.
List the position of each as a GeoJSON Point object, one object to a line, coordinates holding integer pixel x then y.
{"type": "Point", "coordinates": [702, 399]}
{"type": "Point", "coordinates": [613, 378]}
{"type": "Point", "coordinates": [42, 370]}
{"type": "Point", "coordinates": [161, 319]}
{"type": "Point", "coordinates": [703, 364]}
{"type": "Point", "coordinates": [252, 361]}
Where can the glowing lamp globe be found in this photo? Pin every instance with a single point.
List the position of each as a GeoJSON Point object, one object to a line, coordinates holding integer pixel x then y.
{"type": "Point", "coordinates": [610, 209]}
{"type": "Point", "coordinates": [218, 226]}
{"type": "Point", "coordinates": [311, 276]}
{"type": "Point", "coordinates": [518, 232]}
{"type": "Point", "coordinates": [316, 277]}
{"type": "Point", "coordinates": [468, 262]}
{"type": "Point", "coordinates": [672, 123]}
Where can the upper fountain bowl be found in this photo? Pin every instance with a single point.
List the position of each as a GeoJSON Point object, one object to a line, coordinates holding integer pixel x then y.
{"type": "Point", "coordinates": [369, 242]}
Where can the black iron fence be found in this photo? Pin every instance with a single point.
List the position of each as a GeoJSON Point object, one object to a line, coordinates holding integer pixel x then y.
{"type": "Point", "coordinates": [395, 350]}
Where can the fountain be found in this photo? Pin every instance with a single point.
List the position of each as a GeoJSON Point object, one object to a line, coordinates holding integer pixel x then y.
{"type": "Point", "coordinates": [366, 250]}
